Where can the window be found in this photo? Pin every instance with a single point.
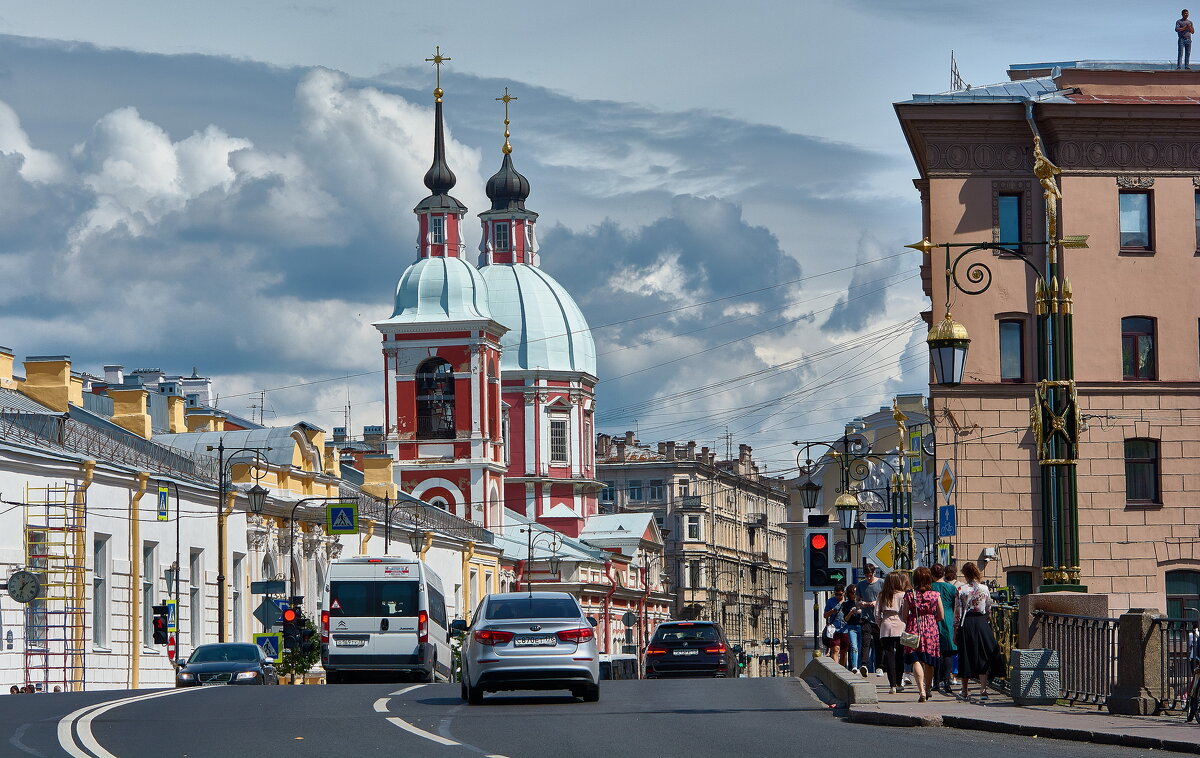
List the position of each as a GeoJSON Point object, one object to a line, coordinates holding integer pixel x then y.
{"type": "Point", "coordinates": [1012, 350]}
{"type": "Point", "coordinates": [36, 617]}
{"type": "Point", "coordinates": [1020, 582]}
{"type": "Point", "coordinates": [437, 230]}
{"type": "Point", "coordinates": [239, 579]}
{"type": "Point", "coordinates": [1137, 348]}
{"type": "Point", "coordinates": [608, 494]}
{"type": "Point", "coordinates": [1141, 471]}
{"type": "Point", "coordinates": [693, 577]}
{"type": "Point", "coordinates": [1135, 221]}
{"type": "Point", "coordinates": [500, 231]}
{"type": "Point", "coordinates": [435, 400]}
{"type": "Point", "coordinates": [439, 502]}
{"type": "Point", "coordinates": [685, 486]}
{"type": "Point", "coordinates": [100, 584]}
{"type": "Point", "coordinates": [635, 489]}
{"type": "Point", "coordinates": [149, 562]}
{"type": "Point", "coordinates": [1009, 209]}
{"type": "Point", "coordinates": [693, 527]}
{"type": "Point", "coordinates": [558, 441]}
{"type": "Point", "coordinates": [1183, 592]}
{"type": "Point", "coordinates": [196, 596]}
{"type": "Point", "coordinates": [656, 489]}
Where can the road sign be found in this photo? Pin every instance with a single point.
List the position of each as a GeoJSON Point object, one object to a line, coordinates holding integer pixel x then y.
{"type": "Point", "coordinates": [883, 554]}
{"type": "Point", "coordinates": [267, 613]}
{"type": "Point", "coordinates": [629, 618]}
{"type": "Point", "coordinates": [946, 481]}
{"type": "Point", "coordinates": [163, 494]}
{"type": "Point", "coordinates": [341, 518]}
{"type": "Point", "coordinates": [884, 520]}
{"type": "Point", "coordinates": [268, 588]}
{"type": "Point", "coordinates": [943, 553]}
{"type": "Point", "coordinates": [947, 521]}
{"type": "Point", "coordinates": [272, 645]}
{"type": "Point", "coordinates": [171, 648]}
{"type": "Point", "coordinates": [914, 448]}
{"type": "Point", "coordinates": [172, 616]}
{"type": "Point", "coordinates": [281, 603]}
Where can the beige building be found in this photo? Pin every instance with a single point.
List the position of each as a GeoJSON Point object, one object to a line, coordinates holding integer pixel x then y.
{"type": "Point", "coordinates": [1127, 140]}
{"type": "Point", "coordinates": [722, 526]}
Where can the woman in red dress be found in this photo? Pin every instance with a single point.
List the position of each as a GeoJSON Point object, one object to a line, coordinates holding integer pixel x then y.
{"type": "Point", "coordinates": [923, 610]}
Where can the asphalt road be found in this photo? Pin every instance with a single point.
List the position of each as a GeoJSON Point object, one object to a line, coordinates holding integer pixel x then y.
{"type": "Point", "coordinates": [758, 717]}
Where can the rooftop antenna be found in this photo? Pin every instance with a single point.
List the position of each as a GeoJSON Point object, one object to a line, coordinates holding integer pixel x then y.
{"type": "Point", "coordinates": [346, 415]}
{"type": "Point", "coordinates": [956, 80]}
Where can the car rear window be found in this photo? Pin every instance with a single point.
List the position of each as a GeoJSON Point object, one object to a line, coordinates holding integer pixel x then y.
{"type": "Point", "coordinates": [225, 653]}
{"type": "Point", "coordinates": [532, 608]}
{"type": "Point", "coordinates": [686, 633]}
{"type": "Point", "coordinates": [373, 599]}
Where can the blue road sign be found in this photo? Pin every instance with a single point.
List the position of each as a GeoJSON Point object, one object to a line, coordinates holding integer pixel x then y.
{"type": "Point", "coordinates": [163, 494]}
{"type": "Point", "coordinates": [884, 520]}
{"type": "Point", "coordinates": [172, 617]}
{"type": "Point", "coordinates": [947, 521]}
{"type": "Point", "coordinates": [280, 603]}
{"type": "Point", "coordinates": [341, 518]}
{"type": "Point", "coordinates": [271, 643]}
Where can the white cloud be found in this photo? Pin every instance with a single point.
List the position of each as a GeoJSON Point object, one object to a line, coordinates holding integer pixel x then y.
{"type": "Point", "coordinates": [39, 165]}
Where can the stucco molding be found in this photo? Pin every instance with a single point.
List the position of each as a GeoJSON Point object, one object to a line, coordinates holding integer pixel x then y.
{"type": "Point", "coordinates": [256, 532]}
{"type": "Point", "coordinates": [960, 157]}
{"type": "Point", "coordinates": [1136, 182]}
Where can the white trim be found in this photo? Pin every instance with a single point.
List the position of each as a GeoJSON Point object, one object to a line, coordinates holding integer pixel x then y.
{"type": "Point", "coordinates": [446, 484]}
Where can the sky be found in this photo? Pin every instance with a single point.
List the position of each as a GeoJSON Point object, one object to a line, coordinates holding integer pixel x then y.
{"type": "Point", "coordinates": [725, 192]}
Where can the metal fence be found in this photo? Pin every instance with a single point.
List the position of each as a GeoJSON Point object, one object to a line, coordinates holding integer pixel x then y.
{"type": "Point", "coordinates": [1174, 636]}
{"type": "Point", "coordinates": [1087, 652]}
{"type": "Point", "coordinates": [1004, 623]}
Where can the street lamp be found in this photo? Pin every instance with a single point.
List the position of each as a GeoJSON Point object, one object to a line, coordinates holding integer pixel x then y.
{"type": "Point", "coordinates": [553, 543]}
{"type": "Point", "coordinates": [417, 540]}
{"type": "Point", "coordinates": [259, 497]}
{"type": "Point", "coordinates": [1055, 416]}
{"type": "Point", "coordinates": [810, 492]}
{"type": "Point", "coordinates": [846, 506]}
{"type": "Point", "coordinates": [292, 537]}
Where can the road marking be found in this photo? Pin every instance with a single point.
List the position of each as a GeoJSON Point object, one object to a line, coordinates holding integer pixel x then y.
{"type": "Point", "coordinates": [407, 689]}
{"type": "Point", "coordinates": [84, 717]}
{"type": "Point", "coordinates": [421, 732]}
{"type": "Point", "coordinates": [381, 705]}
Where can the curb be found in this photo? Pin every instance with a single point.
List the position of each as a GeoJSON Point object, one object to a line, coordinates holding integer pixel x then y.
{"type": "Point", "coordinates": [887, 718]}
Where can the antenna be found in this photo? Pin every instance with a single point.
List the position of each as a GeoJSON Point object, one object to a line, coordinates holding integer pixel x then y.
{"type": "Point", "coordinates": [956, 80]}
{"type": "Point", "coordinates": [346, 415]}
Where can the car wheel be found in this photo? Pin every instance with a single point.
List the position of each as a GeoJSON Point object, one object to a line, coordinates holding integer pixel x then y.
{"type": "Point", "coordinates": [591, 693]}
{"type": "Point", "coordinates": [474, 695]}
{"type": "Point", "coordinates": [462, 690]}
{"type": "Point", "coordinates": [331, 677]}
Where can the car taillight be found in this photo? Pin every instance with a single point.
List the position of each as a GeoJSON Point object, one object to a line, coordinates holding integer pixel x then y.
{"type": "Point", "coordinates": [656, 651]}
{"type": "Point", "coordinates": [325, 627]}
{"type": "Point", "coordinates": [582, 634]}
{"type": "Point", "coordinates": [716, 649]}
{"type": "Point", "coordinates": [492, 636]}
{"type": "Point", "coordinates": [422, 627]}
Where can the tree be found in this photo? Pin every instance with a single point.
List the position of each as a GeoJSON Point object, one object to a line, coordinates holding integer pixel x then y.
{"type": "Point", "coordinates": [298, 661]}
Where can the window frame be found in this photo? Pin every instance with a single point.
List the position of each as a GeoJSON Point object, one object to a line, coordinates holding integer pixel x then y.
{"type": "Point", "coordinates": [437, 230]}
{"type": "Point", "coordinates": [1018, 199]}
{"type": "Point", "coordinates": [101, 588]}
{"type": "Point", "coordinates": [559, 436]}
{"type": "Point", "coordinates": [608, 493]}
{"type": "Point", "coordinates": [693, 525]}
{"type": "Point", "coordinates": [502, 242]}
{"type": "Point", "coordinates": [1155, 462]}
{"type": "Point", "coordinates": [1185, 600]}
{"type": "Point", "coordinates": [1020, 324]}
{"type": "Point", "coordinates": [655, 490]}
{"type": "Point", "coordinates": [435, 390]}
{"type": "Point", "coordinates": [1153, 335]}
{"type": "Point", "coordinates": [196, 596]}
{"type": "Point", "coordinates": [1149, 246]}
{"type": "Point", "coordinates": [633, 490]}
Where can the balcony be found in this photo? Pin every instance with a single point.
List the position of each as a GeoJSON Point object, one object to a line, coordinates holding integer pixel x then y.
{"type": "Point", "coordinates": [690, 503]}
{"type": "Point", "coordinates": [756, 521]}
{"type": "Point", "coordinates": [760, 559]}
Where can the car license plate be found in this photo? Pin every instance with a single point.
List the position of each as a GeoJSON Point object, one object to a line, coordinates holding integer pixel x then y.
{"type": "Point", "coordinates": [544, 641]}
{"type": "Point", "coordinates": [342, 642]}
{"type": "Point", "coordinates": [687, 652]}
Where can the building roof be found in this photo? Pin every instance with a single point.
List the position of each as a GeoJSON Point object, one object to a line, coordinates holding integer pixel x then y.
{"type": "Point", "coordinates": [546, 328]}
{"type": "Point", "coordinates": [278, 439]}
{"type": "Point", "coordinates": [609, 526]}
{"type": "Point", "coordinates": [1040, 89]}
{"type": "Point", "coordinates": [515, 543]}
{"type": "Point", "coordinates": [440, 289]}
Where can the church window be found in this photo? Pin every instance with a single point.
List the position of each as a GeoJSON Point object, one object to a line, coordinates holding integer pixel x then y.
{"type": "Point", "coordinates": [437, 230]}
{"type": "Point", "coordinates": [435, 400]}
{"type": "Point", "coordinates": [501, 234]}
{"type": "Point", "coordinates": [439, 502]}
{"type": "Point", "coordinates": [558, 441]}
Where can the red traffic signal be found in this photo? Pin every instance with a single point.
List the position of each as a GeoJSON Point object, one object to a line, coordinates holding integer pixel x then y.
{"type": "Point", "coordinates": [290, 616]}
{"type": "Point", "coordinates": [817, 541]}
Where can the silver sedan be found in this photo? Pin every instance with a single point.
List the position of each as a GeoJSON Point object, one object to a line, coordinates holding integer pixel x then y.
{"type": "Point", "coordinates": [529, 641]}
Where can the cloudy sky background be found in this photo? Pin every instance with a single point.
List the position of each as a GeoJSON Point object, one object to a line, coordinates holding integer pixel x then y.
{"type": "Point", "coordinates": [725, 194]}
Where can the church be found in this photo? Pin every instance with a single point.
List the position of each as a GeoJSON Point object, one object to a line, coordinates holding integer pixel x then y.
{"type": "Point", "coordinates": [489, 366]}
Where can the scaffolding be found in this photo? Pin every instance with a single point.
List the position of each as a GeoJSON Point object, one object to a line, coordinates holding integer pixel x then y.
{"type": "Point", "coordinates": [56, 621]}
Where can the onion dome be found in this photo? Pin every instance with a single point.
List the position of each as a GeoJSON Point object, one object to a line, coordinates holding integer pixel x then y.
{"type": "Point", "coordinates": [507, 189]}
{"type": "Point", "coordinates": [440, 289]}
{"type": "Point", "coordinates": [439, 178]}
{"type": "Point", "coordinates": [546, 328]}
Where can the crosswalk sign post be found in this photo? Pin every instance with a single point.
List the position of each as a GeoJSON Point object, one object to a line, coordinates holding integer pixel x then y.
{"type": "Point", "coordinates": [341, 518]}
{"type": "Point", "coordinates": [163, 494]}
{"type": "Point", "coordinates": [172, 616]}
{"type": "Point", "coordinates": [272, 644]}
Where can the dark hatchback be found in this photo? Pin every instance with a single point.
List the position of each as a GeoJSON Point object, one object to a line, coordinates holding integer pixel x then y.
{"type": "Point", "coordinates": [226, 663]}
{"type": "Point", "coordinates": [690, 648]}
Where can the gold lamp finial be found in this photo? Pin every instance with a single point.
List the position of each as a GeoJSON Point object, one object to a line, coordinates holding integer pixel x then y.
{"type": "Point", "coordinates": [437, 60]}
{"type": "Point", "coordinates": [506, 100]}
{"type": "Point", "coordinates": [924, 246]}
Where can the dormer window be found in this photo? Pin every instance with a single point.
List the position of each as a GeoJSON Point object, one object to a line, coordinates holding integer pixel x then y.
{"type": "Point", "coordinates": [501, 235]}
{"type": "Point", "coordinates": [437, 230]}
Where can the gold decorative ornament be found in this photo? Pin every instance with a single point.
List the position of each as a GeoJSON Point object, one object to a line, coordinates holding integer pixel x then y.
{"type": "Point", "coordinates": [1045, 171]}
{"type": "Point", "coordinates": [437, 60]}
{"type": "Point", "coordinates": [948, 329]}
{"type": "Point", "coordinates": [506, 99]}
{"type": "Point", "coordinates": [925, 246]}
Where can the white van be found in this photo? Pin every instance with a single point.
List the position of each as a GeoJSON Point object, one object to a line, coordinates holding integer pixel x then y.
{"type": "Point", "coordinates": [384, 617]}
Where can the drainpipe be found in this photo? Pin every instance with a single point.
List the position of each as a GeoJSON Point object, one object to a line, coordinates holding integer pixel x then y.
{"type": "Point", "coordinates": [520, 572]}
{"type": "Point", "coordinates": [467, 555]}
{"type": "Point", "coordinates": [362, 546]}
{"type": "Point", "coordinates": [135, 577]}
{"type": "Point", "coordinates": [222, 585]}
{"type": "Point", "coordinates": [429, 543]}
{"type": "Point", "coordinates": [608, 606]}
{"type": "Point", "coordinates": [80, 633]}
{"type": "Point", "coordinates": [642, 613]}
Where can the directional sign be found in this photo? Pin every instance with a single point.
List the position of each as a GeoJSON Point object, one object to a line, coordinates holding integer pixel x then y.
{"type": "Point", "coordinates": [341, 518]}
{"type": "Point", "coordinates": [267, 613]}
{"type": "Point", "coordinates": [883, 555]}
{"type": "Point", "coordinates": [946, 481]}
{"type": "Point", "coordinates": [163, 494]}
{"type": "Point", "coordinates": [172, 616]}
{"type": "Point", "coordinates": [884, 520]}
{"type": "Point", "coordinates": [272, 645]}
{"type": "Point", "coordinates": [281, 604]}
{"type": "Point", "coordinates": [268, 588]}
{"type": "Point", "coordinates": [947, 521]}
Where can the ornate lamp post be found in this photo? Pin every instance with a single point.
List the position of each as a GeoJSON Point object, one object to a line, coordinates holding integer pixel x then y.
{"type": "Point", "coordinates": [257, 495]}
{"type": "Point", "coordinates": [1054, 418]}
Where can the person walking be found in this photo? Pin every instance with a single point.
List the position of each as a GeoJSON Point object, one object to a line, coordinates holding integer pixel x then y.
{"type": "Point", "coordinates": [978, 652]}
{"type": "Point", "coordinates": [891, 624]}
{"type": "Point", "coordinates": [868, 590]}
{"type": "Point", "coordinates": [837, 642]}
{"type": "Point", "coordinates": [853, 616]}
{"type": "Point", "coordinates": [922, 613]}
{"type": "Point", "coordinates": [943, 585]}
{"type": "Point", "coordinates": [1184, 29]}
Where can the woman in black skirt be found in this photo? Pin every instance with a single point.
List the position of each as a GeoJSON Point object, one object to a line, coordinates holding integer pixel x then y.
{"type": "Point", "coordinates": [978, 653]}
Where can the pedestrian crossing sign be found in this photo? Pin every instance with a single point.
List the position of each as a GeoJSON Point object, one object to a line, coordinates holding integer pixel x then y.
{"type": "Point", "coordinates": [272, 645]}
{"type": "Point", "coordinates": [341, 518]}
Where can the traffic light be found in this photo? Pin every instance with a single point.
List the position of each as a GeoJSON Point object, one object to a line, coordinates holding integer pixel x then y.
{"type": "Point", "coordinates": [159, 623]}
{"type": "Point", "coordinates": [817, 574]}
{"type": "Point", "coordinates": [291, 629]}
{"type": "Point", "coordinates": [741, 660]}
{"type": "Point", "coordinates": [308, 637]}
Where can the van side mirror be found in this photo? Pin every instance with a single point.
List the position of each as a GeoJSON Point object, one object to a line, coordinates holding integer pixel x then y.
{"type": "Point", "coordinates": [592, 620]}
{"type": "Point", "coordinates": [458, 626]}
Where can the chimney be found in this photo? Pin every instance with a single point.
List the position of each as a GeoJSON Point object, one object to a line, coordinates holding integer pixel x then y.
{"type": "Point", "coordinates": [205, 420]}
{"type": "Point", "coordinates": [6, 368]}
{"type": "Point", "coordinates": [176, 414]}
{"type": "Point", "coordinates": [620, 450]}
{"type": "Point", "coordinates": [603, 445]}
{"type": "Point", "coordinates": [129, 410]}
{"type": "Point", "coordinates": [339, 434]}
{"type": "Point", "coordinates": [703, 453]}
{"type": "Point", "coordinates": [743, 453]}
{"type": "Point", "coordinates": [662, 449]}
{"type": "Point", "coordinates": [691, 450]}
{"type": "Point", "coordinates": [672, 451]}
{"type": "Point", "coordinates": [114, 374]}
{"type": "Point", "coordinates": [629, 438]}
{"type": "Point", "coordinates": [48, 381]}
{"type": "Point", "coordinates": [377, 476]}
{"type": "Point", "coordinates": [373, 437]}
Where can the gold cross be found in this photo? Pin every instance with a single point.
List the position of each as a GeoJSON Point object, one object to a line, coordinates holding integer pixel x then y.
{"type": "Point", "coordinates": [437, 60]}
{"type": "Point", "coordinates": [506, 99]}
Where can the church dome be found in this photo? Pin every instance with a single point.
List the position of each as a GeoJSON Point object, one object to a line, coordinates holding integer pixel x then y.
{"type": "Point", "coordinates": [546, 328]}
{"type": "Point", "coordinates": [507, 188]}
{"type": "Point", "coordinates": [440, 289]}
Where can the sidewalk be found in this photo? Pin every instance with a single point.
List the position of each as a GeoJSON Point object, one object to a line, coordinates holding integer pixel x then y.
{"type": "Point", "coordinates": [998, 713]}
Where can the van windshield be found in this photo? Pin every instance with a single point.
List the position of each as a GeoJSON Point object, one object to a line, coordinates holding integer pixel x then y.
{"type": "Point", "coordinates": [533, 608]}
{"type": "Point", "coordinates": [367, 598]}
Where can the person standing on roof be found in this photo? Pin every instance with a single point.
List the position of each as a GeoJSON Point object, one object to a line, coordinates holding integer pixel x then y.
{"type": "Point", "coordinates": [1185, 30]}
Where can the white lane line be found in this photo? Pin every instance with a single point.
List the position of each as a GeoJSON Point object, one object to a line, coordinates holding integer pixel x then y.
{"type": "Point", "coordinates": [84, 717]}
{"type": "Point", "coordinates": [407, 689]}
{"type": "Point", "coordinates": [381, 705]}
{"type": "Point", "coordinates": [421, 732]}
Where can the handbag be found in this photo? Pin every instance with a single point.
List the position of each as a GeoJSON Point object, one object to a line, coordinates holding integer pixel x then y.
{"type": "Point", "coordinates": [910, 639]}
{"type": "Point", "coordinates": [828, 633]}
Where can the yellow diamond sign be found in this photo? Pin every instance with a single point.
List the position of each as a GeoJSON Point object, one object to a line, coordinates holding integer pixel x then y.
{"type": "Point", "coordinates": [883, 554]}
{"type": "Point", "coordinates": [946, 481]}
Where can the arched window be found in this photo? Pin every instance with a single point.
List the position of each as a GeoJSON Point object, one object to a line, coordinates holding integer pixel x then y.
{"type": "Point", "coordinates": [439, 502]}
{"type": "Point", "coordinates": [1183, 592]}
{"type": "Point", "coordinates": [435, 400]}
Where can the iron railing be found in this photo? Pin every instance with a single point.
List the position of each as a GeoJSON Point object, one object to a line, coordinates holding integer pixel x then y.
{"type": "Point", "coordinates": [1004, 624]}
{"type": "Point", "coordinates": [1087, 654]}
{"type": "Point", "coordinates": [1174, 636]}
{"type": "Point", "coordinates": [410, 515]}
